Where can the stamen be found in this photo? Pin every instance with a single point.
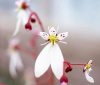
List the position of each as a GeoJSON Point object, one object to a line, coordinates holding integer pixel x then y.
{"type": "Point", "coordinates": [63, 42]}
{"type": "Point", "coordinates": [53, 39]}
{"type": "Point", "coordinates": [44, 43]}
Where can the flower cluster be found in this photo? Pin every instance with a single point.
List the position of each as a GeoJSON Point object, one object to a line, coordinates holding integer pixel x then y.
{"type": "Point", "coordinates": [26, 16]}
{"type": "Point", "coordinates": [51, 56]}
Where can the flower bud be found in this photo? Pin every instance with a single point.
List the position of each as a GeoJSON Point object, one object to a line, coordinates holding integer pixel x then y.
{"type": "Point", "coordinates": [28, 26]}
{"type": "Point", "coordinates": [63, 80]}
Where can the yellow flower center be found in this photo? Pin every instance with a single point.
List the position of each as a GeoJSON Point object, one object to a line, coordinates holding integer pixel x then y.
{"type": "Point", "coordinates": [88, 66]}
{"type": "Point", "coordinates": [53, 39]}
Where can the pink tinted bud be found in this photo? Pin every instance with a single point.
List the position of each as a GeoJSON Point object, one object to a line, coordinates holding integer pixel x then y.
{"type": "Point", "coordinates": [68, 69]}
{"type": "Point", "coordinates": [33, 20]}
{"type": "Point", "coordinates": [63, 80]}
{"type": "Point", "coordinates": [67, 66]}
{"type": "Point", "coordinates": [28, 26]}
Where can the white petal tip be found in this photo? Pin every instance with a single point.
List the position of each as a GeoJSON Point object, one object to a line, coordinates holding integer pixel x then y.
{"type": "Point", "coordinates": [89, 78]}
{"type": "Point", "coordinates": [37, 75]}
{"type": "Point", "coordinates": [63, 83]}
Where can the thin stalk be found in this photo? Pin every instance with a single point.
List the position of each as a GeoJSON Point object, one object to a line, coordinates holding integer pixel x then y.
{"type": "Point", "coordinates": [38, 19]}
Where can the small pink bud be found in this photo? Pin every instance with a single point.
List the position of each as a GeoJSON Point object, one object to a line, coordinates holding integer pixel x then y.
{"type": "Point", "coordinates": [68, 69]}
{"type": "Point", "coordinates": [64, 80]}
{"type": "Point", "coordinates": [33, 20]}
{"type": "Point", "coordinates": [28, 26]}
{"type": "Point", "coordinates": [67, 66]}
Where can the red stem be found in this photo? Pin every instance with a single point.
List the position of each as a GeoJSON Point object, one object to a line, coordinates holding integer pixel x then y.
{"type": "Point", "coordinates": [79, 64]}
{"type": "Point", "coordinates": [37, 17]}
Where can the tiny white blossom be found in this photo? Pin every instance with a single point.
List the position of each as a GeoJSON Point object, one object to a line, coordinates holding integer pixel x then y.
{"type": "Point", "coordinates": [15, 59]}
{"type": "Point", "coordinates": [87, 69]}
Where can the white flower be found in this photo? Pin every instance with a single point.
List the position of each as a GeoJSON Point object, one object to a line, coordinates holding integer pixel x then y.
{"type": "Point", "coordinates": [51, 55]}
{"type": "Point", "coordinates": [15, 59]}
{"type": "Point", "coordinates": [22, 16]}
{"type": "Point", "coordinates": [87, 69]}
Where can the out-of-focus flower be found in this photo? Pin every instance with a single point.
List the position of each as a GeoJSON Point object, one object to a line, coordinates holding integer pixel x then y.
{"type": "Point", "coordinates": [26, 16]}
{"type": "Point", "coordinates": [23, 14]}
{"type": "Point", "coordinates": [87, 69]}
{"type": "Point", "coordinates": [51, 54]}
{"type": "Point", "coordinates": [15, 59]}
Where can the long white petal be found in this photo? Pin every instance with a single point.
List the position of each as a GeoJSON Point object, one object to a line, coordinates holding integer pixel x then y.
{"type": "Point", "coordinates": [57, 61]}
{"type": "Point", "coordinates": [88, 77]}
{"type": "Point", "coordinates": [17, 27]}
{"type": "Point", "coordinates": [12, 69]}
{"type": "Point", "coordinates": [13, 63]}
{"type": "Point", "coordinates": [43, 61]}
{"type": "Point", "coordinates": [24, 16]}
{"type": "Point", "coordinates": [19, 64]}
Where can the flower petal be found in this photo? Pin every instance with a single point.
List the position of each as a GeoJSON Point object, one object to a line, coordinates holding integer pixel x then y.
{"type": "Point", "coordinates": [43, 61]}
{"type": "Point", "coordinates": [88, 77]}
{"type": "Point", "coordinates": [24, 16]}
{"type": "Point", "coordinates": [17, 27]}
{"type": "Point", "coordinates": [90, 61]}
{"type": "Point", "coordinates": [15, 62]}
{"type": "Point", "coordinates": [62, 36]}
{"type": "Point", "coordinates": [52, 31]}
{"type": "Point", "coordinates": [57, 61]}
{"type": "Point", "coordinates": [44, 35]}
{"type": "Point", "coordinates": [19, 2]}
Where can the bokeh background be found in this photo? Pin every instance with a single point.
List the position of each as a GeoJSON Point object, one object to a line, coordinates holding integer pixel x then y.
{"type": "Point", "coordinates": [81, 18]}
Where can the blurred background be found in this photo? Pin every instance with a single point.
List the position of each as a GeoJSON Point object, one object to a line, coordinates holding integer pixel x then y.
{"type": "Point", "coordinates": [81, 18]}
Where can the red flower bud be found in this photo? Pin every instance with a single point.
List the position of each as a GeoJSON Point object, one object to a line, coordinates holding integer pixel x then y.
{"type": "Point", "coordinates": [67, 66]}
{"type": "Point", "coordinates": [33, 20]}
{"type": "Point", "coordinates": [64, 79]}
{"type": "Point", "coordinates": [28, 26]}
{"type": "Point", "coordinates": [68, 69]}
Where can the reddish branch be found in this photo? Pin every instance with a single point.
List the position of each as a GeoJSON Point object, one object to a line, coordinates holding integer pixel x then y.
{"type": "Point", "coordinates": [28, 25]}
